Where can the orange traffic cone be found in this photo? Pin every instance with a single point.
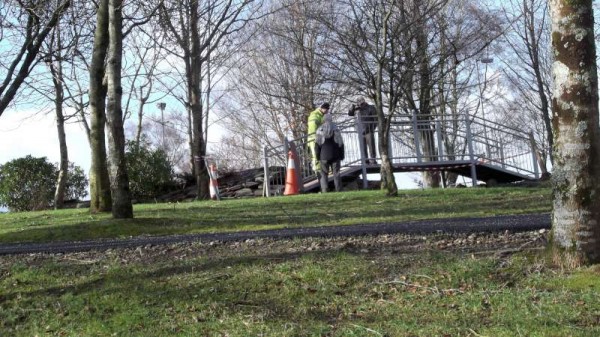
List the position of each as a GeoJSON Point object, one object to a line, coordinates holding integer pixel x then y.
{"type": "Point", "coordinates": [291, 180]}
{"type": "Point", "coordinates": [214, 185]}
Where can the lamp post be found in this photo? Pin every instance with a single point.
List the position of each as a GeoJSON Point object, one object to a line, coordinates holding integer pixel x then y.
{"type": "Point", "coordinates": [162, 106]}
{"type": "Point", "coordinates": [486, 61]}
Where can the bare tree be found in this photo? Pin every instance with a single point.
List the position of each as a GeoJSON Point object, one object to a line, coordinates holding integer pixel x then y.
{"type": "Point", "coordinates": [26, 24]}
{"type": "Point", "coordinates": [237, 152]}
{"type": "Point", "coordinates": [461, 35]}
{"type": "Point", "coordinates": [576, 212]}
{"type": "Point", "coordinates": [76, 68]}
{"type": "Point", "coordinates": [54, 61]}
{"type": "Point", "coordinates": [528, 71]}
{"type": "Point", "coordinates": [142, 72]}
{"type": "Point", "coordinates": [195, 30]}
{"type": "Point", "coordinates": [49, 85]}
{"type": "Point", "coordinates": [385, 56]}
{"type": "Point", "coordinates": [279, 75]}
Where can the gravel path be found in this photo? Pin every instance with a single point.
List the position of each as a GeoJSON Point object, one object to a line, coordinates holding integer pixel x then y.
{"type": "Point", "coordinates": [513, 223]}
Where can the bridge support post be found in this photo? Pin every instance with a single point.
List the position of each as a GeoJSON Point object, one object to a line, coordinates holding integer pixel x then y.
{"type": "Point", "coordinates": [471, 151]}
{"type": "Point", "coordinates": [266, 183]}
{"type": "Point", "coordinates": [440, 149]}
{"type": "Point", "coordinates": [363, 150]}
{"type": "Point", "coordinates": [534, 154]}
{"type": "Point", "coordinates": [416, 135]}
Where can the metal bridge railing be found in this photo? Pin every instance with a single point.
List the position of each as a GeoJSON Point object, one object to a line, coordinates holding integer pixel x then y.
{"type": "Point", "coordinates": [422, 139]}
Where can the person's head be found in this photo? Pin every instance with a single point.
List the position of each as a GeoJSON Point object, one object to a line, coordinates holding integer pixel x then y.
{"type": "Point", "coordinates": [324, 107]}
{"type": "Point", "coordinates": [360, 101]}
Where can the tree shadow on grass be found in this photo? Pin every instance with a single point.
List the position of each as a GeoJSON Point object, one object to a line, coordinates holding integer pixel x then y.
{"type": "Point", "coordinates": [224, 222]}
{"type": "Point", "coordinates": [123, 281]}
{"type": "Point", "coordinates": [250, 284]}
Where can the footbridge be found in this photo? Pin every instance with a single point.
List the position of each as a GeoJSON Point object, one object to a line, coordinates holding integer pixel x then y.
{"type": "Point", "coordinates": [478, 149]}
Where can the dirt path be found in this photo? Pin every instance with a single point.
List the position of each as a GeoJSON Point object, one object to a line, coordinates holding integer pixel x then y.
{"type": "Point", "coordinates": [455, 227]}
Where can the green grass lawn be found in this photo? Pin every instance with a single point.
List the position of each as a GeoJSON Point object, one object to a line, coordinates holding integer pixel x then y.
{"type": "Point", "coordinates": [268, 288]}
{"type": "Point", "coordinates": [267, 213]}
{"type": "Point", "coordinates": [390, 285]}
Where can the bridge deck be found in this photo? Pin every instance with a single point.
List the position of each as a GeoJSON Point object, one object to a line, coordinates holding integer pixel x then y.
{"type": "Point", "coordinates": [486, 172]}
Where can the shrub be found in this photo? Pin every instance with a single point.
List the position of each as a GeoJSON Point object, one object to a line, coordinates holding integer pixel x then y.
{"type": "Point", "coordinates": [77, 183]}
{"type": "Point", "coordinates": [150, 172]}
{"type": "Point", "coordinates": [27, 183]}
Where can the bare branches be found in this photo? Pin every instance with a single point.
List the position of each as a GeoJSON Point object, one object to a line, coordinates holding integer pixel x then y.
{"type": "Point", "coordinates": [38, 26]}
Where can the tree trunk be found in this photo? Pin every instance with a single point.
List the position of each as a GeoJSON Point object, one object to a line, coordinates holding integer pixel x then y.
{"type": "Point", "coordinates": [195, 99]}
{"type": "Point", "coordinates": [57, 80]}
{"type": "Point", "coordinates": [100, 198]}
{"type": "Point", "coordinates": [388, 181]}
{"type": "Point", "coordinates": [540, 158]}
{"type": "Point", "coordinates": [121, 198]}
{"type": "Point", "coordinates": [534, 50]}
{"type": "Point", "coordinates": [576, 212]}
{"type": "Point", "coordinates": [426, 132]}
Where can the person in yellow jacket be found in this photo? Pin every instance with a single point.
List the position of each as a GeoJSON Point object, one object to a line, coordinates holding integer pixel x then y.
{"type": "Point", "coordinates": [315, 119]}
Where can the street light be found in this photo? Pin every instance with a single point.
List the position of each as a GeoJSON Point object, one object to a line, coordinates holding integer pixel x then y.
{"type": "Point", "coordinates": [162, 106]}
{"type": "Point", "coordinates": [486, 61]}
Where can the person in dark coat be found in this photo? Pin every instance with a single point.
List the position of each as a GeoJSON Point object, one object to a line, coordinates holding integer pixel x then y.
{"type": "Point", "coordinates": [368, 119]}
{"type": "Point", "coordinates": [329, 148]}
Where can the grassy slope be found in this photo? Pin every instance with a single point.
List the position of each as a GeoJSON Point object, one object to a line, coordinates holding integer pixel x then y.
{"type": "Point", "coordinates": [262, 213]}
{"type": "Point", "coordinates": [308, 287]}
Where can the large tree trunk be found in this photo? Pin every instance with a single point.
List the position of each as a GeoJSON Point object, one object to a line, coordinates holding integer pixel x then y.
{"type": "Point", "coordinates": [426, 133]}
{"type": "Point", "coordinates": [121, 198]}
{"type": "Point", "coordinates": [576, 213]}
{"type": "Point", "coordinates": [57, 80]}
{"type": "Point", "coordinates": [100, 198]}
{"type": "Point", "coordinates": [195, 98]}
{"type": "Point", "coordinates": [388, 181]}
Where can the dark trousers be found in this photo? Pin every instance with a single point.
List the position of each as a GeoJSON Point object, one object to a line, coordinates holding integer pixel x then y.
{"type": "Point", "coordinates": [335, 169]}
{"type": "Point", "coordinates": [369, 139]}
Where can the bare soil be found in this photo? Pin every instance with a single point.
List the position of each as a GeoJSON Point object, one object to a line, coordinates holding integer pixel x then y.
{"type": "Point", "coordinates": [504, 244]}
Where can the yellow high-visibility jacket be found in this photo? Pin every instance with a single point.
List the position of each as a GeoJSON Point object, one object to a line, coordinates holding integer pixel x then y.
{"type": "Point", "coordinates": [315, 119]}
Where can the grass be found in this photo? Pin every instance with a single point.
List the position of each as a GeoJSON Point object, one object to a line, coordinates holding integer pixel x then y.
{"type": "Point", "coordinates": [220, 291]}
{"type": "Point", "coordinates": [391, 285]}
{"type": "Point", "coordinates": [261, 213]}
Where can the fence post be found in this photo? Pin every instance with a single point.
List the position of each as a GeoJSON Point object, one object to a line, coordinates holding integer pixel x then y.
{"type": "Point", "coordinates": [416, 136]}
{"type": "Point", "coordinates": [471, 154]}
{"type": "Point", "coordinates": [267, 182]}
{"type": "Point", "coordinates": [440, 143]}
{"type": "Point", "coordinates": [363, 150]}
{"type": "Point", "coordinates": [438, 133]}
{"type": "Point", "coordinates": [534, 155]}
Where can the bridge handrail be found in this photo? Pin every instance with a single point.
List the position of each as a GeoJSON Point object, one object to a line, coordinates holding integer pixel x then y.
{"type": "Point", "coordinates": [427, 138]}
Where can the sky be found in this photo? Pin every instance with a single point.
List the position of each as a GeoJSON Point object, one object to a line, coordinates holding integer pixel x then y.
{"type": "Point", "coordinates": [23, 133]}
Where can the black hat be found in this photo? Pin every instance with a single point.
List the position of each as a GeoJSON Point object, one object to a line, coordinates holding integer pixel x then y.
{"type": "Point", "coordinates": [325, 106]}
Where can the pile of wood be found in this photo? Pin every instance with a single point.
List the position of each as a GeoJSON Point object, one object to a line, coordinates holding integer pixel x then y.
{"type": "Point", "coordinates": [251, 183]}
{"type": "Point", "coordinates": [246, 183]}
